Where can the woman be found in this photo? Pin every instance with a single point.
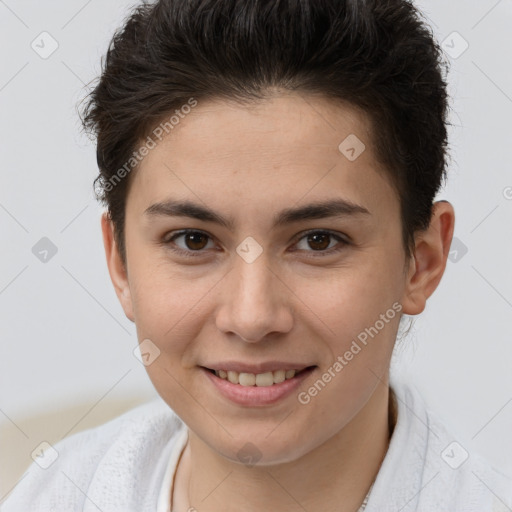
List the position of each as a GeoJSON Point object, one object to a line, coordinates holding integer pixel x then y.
{"type": "Point", "coordinates": [269, 170]}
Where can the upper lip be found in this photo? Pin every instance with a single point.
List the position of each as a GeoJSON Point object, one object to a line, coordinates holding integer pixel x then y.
{"type": "Point", "coordinates": [268, 366]}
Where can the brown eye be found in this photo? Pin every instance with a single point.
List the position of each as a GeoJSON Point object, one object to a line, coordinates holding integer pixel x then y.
{"type": "Point", "coordinates": [319, 241]}
{"type": "Point", "coordinates": [192, 244]}
{"type": "Point", "coordinates": [195, 240]}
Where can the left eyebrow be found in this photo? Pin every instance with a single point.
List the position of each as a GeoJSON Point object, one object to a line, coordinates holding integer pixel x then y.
{"type": "Point", "coordinates": [320, 210]}
{"type": "Point", "coordinates": [316, 210]}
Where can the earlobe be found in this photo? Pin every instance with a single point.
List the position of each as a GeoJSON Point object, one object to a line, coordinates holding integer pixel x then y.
{"type": "Point", "coordinates": [431, 252]}
{"type": "Point", "coordinates": [116, 267]}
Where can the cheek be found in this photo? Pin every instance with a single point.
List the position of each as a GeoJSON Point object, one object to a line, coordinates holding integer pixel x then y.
{"type": "Point", "coordinates": [360, 314]}
{"type": "Point", "coordinates": [354, 298]}
{"type": "Point", "coordinates": [166, 311]}
{"type": "Point", "coordinates": [170, 308]}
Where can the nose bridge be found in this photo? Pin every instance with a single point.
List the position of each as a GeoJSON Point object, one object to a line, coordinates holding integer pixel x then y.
{"type": "Point", "coordinates": [255, 287]}
{"type": "Point", "coordinates": [253, 304]}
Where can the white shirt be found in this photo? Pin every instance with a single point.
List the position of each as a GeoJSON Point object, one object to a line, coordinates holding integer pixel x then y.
{"type": "Point", "coordinates": [164, 498]}
{"type": "Point", "coordinates": [129, 463]}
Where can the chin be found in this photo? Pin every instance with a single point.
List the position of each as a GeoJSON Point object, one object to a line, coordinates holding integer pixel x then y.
{"type": "Point", "coordinates": [260, 449]}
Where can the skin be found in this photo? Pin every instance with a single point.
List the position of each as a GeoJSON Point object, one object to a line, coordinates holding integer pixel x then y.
{"type": "Point", "coordinates": [289, 305]}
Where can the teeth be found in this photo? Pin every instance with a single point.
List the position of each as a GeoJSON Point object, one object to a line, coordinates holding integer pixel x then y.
{"type": "Point", "coordinates": [247, 379]}
{"type": "Point", "coordinates": [289, 374]}
{"type": "Point", "coordinates": [264, 379]}
{"type": "Point", "coordinates": [233, 377]}
{"type": "Point", "coordinates": [280, 376]}
{"type": "Point", "coordinates": [260, 379]}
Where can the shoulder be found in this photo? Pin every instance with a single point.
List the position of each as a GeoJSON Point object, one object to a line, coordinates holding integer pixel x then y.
{"type": "Point", "coordinates": [101, 464]}
{"type": "Point", "coordinates": [453, 473]}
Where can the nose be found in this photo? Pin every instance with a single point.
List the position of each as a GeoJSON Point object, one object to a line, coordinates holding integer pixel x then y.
{"type": "Point", "coordinates": [255, 302]}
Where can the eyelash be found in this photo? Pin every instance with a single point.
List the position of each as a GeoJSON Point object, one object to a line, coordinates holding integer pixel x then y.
{"type": "Point", "coordinates": [194, 254]}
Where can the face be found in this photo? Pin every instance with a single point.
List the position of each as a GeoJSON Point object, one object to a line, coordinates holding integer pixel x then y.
{"type": "Point", "coordinates": [274, 286]}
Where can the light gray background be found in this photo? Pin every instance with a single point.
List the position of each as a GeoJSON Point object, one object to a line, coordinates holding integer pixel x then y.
{"type": "Point", "coordinates": [64, 335]}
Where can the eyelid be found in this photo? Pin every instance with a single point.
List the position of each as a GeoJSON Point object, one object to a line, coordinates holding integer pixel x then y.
{"type": "Point", "coordinates": [340, 236]}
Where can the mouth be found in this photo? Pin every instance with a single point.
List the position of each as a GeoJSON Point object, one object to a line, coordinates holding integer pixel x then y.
{"type": "Point", "coordinates": [264, 379]}
{"type": "Point", "coordinates": [256, 389]}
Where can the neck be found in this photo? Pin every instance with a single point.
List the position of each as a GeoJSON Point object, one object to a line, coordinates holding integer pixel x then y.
{"type": "Point", "coordinates": [339, 471]}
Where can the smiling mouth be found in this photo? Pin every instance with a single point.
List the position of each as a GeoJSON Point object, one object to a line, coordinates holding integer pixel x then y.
{"type": "Point", "coordinates": [259, 379]}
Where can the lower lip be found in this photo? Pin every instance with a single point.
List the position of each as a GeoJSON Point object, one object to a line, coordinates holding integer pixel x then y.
{"type": "Point", "coordinates": [254, 396]}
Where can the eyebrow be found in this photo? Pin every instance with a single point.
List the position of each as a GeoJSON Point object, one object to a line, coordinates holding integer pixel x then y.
{"type": "Point", "coordinates": [316, 210]}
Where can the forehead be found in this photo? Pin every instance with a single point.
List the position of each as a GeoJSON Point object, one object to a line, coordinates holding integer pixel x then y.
{"type": "Point", "coordinates": [283, 123]}
{"type": "Point", "coordinates": [273, 152]}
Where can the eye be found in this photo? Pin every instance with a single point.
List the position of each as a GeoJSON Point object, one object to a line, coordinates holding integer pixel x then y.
{"type": "Point", "coordinates": [320, 241]}
{"type": "Point", "coordinates": [194, 241]}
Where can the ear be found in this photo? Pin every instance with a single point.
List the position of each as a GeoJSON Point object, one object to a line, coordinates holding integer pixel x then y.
{"type": "Point", "coordinates": [116, 267]}
{"type": "Point", "coordinates": [432, 248]}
